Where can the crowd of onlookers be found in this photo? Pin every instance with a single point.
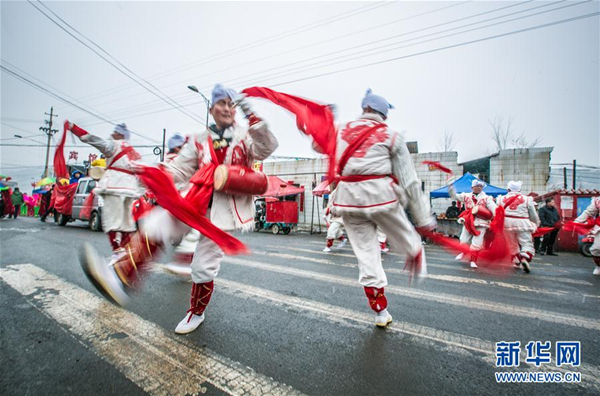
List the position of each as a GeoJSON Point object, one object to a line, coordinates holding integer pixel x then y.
{"type": "Point", "coordinates": [15, 203]}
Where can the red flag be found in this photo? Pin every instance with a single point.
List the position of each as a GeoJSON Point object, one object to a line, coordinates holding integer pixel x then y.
{"type": "Point", "coordinates": [433, 165]}
{"type": "Point", "coordinates": [60, 167]}
{"type": "Point", "coordinates": [313, 119]}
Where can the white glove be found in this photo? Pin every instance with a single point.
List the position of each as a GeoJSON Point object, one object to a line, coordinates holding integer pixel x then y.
{"type": "Point", "coordinates": [242, 101]}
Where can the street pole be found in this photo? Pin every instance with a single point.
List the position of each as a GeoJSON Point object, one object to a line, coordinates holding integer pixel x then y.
{"type": "Point", "coordinates": [162, 153]}
{"type": "Point", "coordinates": [48, 131]}
{"type": "Point", "coordinates": [574, 174]}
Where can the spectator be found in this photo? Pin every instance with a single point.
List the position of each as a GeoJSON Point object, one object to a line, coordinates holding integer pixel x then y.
{"type": "Point", "coordinates": [46, 206]}
{"type": "Point", "coordinates": [452, 212]}
{"type": "Point", "coordinates": [17, 200]}
{"type": "Point", "coordinates": [549, 217]}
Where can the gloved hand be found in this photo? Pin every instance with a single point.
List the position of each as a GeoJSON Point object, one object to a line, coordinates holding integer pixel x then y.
{"type": "Point", "coordinates": [242, 101]}
{"type": "Point", "coordinates": [427, 228]}
{"type": "Point", "coordinates": [75, 129]}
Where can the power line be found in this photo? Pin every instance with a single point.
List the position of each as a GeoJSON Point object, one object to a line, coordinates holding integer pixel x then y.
{"type": "Point", "coordinates": [304, 68]}
{"type": "Point", "coordinates": [48, 92]}
{"type": "Point", "coordinates": [195, 118]}
{"type": "Point", "coordinates": [335, 61]}
{"type": "Point", "coordinates": [292, 50]}
{"type": "Point", "coordinates": [362, 45]}
{"type": "Point", "coordinates": [266, 40]}
{"type": "Point", "coordinates": [66, 145]}
{"type": "Point", "coordinates": [439, 49]}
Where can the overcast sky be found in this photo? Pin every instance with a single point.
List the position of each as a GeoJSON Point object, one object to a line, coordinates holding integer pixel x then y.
{"type": "Point", "coordinates": [546, 80]}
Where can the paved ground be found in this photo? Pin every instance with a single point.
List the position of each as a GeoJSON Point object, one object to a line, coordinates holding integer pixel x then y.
{"type": "Point", "coordinates": [289, 319]}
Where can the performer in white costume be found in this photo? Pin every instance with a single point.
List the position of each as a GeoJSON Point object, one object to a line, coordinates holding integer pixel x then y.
{"type": "Point", "coordinates": [592, 212]}
{"type": "Point", "coordinates": [520, 221]}
{"type": "Point", "coordinates": [226, 142]}
{"type": "Point", "coordinates": [377, 181]}
{"type": "Point", "coordinates": [335, 230]}
{"type": "Point", "coordinates": [118, 187]}
{"type": "Point", "coordinates": [482, 207]}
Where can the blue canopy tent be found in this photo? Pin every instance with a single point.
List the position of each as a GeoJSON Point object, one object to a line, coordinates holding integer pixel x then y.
{"type": "Point", "coordinates": [464, 185]}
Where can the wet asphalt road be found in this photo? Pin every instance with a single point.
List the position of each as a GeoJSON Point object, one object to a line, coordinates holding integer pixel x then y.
{"type": "Point", "coordinates": [294, 315]}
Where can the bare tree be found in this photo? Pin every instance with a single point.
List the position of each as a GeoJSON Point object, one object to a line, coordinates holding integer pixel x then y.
{"type": "Point", "coordinates": [447, 142]}
{"type": "Point", "coordinates": [522, 142]}
{"type": "Point", "coordinates": [504, 137]}
{"type": "Point", "coordinates": [501, 131]}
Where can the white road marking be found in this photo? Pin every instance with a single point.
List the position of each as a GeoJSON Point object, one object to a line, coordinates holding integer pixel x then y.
{"type": "Point", "coordinates": [445, 341]}
{"type": "Point", "coordinates": [432, 262]}
{"type": "Point", "coordinates": [443, 278]}
{"type": "Point", "coordinates": [471, 303]}
{"type": "Point", "coordinates": [142, 351]}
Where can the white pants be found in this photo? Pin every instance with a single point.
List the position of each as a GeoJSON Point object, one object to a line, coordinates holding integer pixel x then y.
{"type": "Point", "coordinates": [116, 213]}
{"type": "Point", "coordinates": [189, 242]}
{"type": "Point", "coordinates": [362, 231]}
{"type": "Point", "coordinates": [381, 237]}
{"type": "Point", "coordinates": [161, 226]}
{"type": "Point", "coordinates": [476, 242]}
{"type": "Point", "coordinates": [514, 239]}
{"type": "Point", "coordinates": [595, 249]}
{"type": "Point", "coordinates": [335, 230]}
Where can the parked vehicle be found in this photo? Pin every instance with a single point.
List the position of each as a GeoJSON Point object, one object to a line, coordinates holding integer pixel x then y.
{"type": "Point", "coordinates": [586, 244]}
{"type": "Point", "coordinates": [277, 216]}
{"type": "Point", "coordinates": [85, 186]}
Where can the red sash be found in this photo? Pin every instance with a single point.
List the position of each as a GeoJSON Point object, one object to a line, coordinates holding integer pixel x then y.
{"type": "Point", "coordinates": [351, 150]}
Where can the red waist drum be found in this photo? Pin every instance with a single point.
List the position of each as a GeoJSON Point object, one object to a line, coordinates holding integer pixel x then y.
{"type": "Point", "coordinates": [240, 180]}
{"type": "Point", "coordinates": [482, 212]}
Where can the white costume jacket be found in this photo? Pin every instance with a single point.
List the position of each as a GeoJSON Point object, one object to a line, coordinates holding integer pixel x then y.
{"type": "Point", "coordinates": [383, 154]}
{"type": "Point", "coordinates": [470, 200]}
{"type": "Point", "coordinates": [521, 214]}
{"type": "Point", "coordinates": [118, 179]}
{"type": "Point", "coordinates": [228, 212]}
{"type": "Point", "coordinates": [592, 211]}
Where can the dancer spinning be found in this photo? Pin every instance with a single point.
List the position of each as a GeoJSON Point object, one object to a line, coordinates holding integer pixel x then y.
{"type": "Point", "coordinates": [118, 187]}
{"type": "Point", "coordinates": [335, 229]}
{"type": "Point", "coordinates": [377, 179]}
{"type": "Point", "coordinates": [476, 218]}
{"type": "Point", "coordinates": [520, 221]}
{"type": "Point", "coordinates": [592, 215]}
{"type": "Point", "coordinates": [226, 142]}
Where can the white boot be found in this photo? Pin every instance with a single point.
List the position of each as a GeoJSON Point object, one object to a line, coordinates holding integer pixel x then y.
{"type": "Point", "coordinates": [459, 257]}
{"type": "Point", "coordinates": [383, 318]}
{"type": "Point", "coordinates": [597, 271]}
{"type": "Point", "coordinates": [327, 249]}
{"type": "Point", "coordinates": [473, 265]}
{"type": "Point", "coordinates": [178, 269]}
{"type": "Point", "coordinates": [102, 276]}
{"type": "Point", "coordinates": [342, 244]}
{"type": "Point", "coordinates": [189, 323]}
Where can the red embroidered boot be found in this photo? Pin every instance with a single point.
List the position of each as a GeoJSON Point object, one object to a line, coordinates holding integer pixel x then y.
{"type": "Point", "coordinates": [378, 303]}
{"type": "Point", "coordinates": [201, 294]}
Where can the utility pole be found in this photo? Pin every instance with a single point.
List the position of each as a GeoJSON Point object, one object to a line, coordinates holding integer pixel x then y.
{"type": "Point", "coordinates": [574, 174]}
{"type": "Point", "coordinates": [48, 131]}
{"type": "Point", "coordinates": [162, 153]}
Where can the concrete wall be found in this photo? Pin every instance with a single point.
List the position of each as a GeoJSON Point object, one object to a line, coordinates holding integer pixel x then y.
{"type": "Point", "coordinates": [305, 172]}
{"type": "Point", "coordinates": [531, 166]}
